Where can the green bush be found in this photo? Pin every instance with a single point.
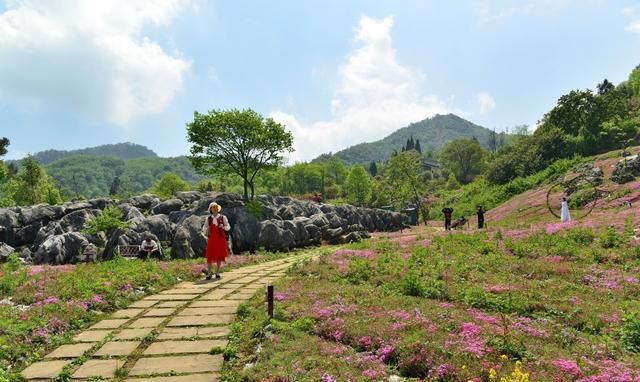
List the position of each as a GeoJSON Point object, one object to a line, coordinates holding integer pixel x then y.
{"type": "Point", "coordinates": [414, 285]}
{"type": "Point", "coordinates": [255, 208]}
{"type": "Point", "coordinates": [359, 271]}
{"type": "Point", "coordinates": [581, 236]}
{"type": "Point", "coordinates": [610, 238]}
{"type": "Point", "coordinates": [304, 324]}
{"type": "Point", "coordinates": [630, 332]}
{"type": "Point", "coordinates": [107, 221]}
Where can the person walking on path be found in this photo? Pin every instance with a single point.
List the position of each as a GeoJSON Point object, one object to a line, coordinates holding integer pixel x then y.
{"type": "Point", "coordinates": [448, 213]}
{"type": "Point", "coordinates": [565, 216]}
{"type": "Point", "coordinates": [480, 212]}
{"type": "Point", "coordinates": [215, 228]}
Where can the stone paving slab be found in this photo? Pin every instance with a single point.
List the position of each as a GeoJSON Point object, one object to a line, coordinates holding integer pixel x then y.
{"type": "Point", "coordinates": [146, 322]}
{"type": "Point", "coordinates": [160, 312]}
{"type": "Point", "coordinates": [197, 332]}
{"type": "Point", "coordinates": [143, 304]}
{"type": "Point", "coordinates": [45, 369]}
{"type": "Point", "coordinates": [132, 334]}
{"type": "Point", "coordinates": [98, 368]}
{"type": "Point", "coordinates": [170, 304]}
{"type": "Point", "coordinates": [171, 297]}
{"type": "Point", "coordinates": [110, 324]}
{"type": "Point", "coordinates": [213, 303]}
{"type": "Point", "coordinates": [70, 351]}
{"type": "Point", "coordinates": [209, 311]}
{"type": "Point", "coordinates": [117, 348]}
{"type": "Point", "coordinates": [184, 291]}
{"type": "Point", "coordinates": [183, 347]}
{"type": "Point", "coordinates": [201, 320]}
{"type": "Point", "coordinates": [92, 336]}
{"type": "Point", "coordinates": [127, 313]}
{"type": "Point", "coordinates": [216, 295]}
{"type": "Point", "coordinates": [240, 296]}
{"type": "Point", "coordinates": [198, 363]}
{"type": "Point", "coordinates": [212, 377]}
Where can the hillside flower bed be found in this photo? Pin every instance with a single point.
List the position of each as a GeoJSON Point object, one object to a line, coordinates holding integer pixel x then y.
{"type": "Point", "coordinates": [460, 307]}
{"type": "Point", "coordinates": [42, 307]}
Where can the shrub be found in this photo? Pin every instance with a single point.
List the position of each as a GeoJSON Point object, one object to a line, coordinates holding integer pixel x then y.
{"type": "Point", "coordinates": [359, 271]}
{"type": "Point", "coordinates": [610, 238]}
{"type": "Point", "coordinates": [108, 221]}
{"type": "Point", "coordinates": [255, 208]}
{"type": "Point", "coordinates": [630, 332]}
{"type": "Point", "coordinates": [581, 236]}
{"type": "Point", "coordinates": [304, 324]}
{"type": "Point", "coordinates": [413, 285]}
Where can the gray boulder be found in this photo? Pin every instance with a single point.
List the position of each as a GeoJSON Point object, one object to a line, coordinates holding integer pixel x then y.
{"type": "Point", "coordinates": [189, 197]}
{"type": "Point", "coordinates": [158, 225]}
{"type": "Point", "coordinates": [274, 237]}
{"type": "Point", "coordinates": [70, 207]}
{"type": "Point", "coordinates": [41, 213]}
{"type": "Point", "coordinates": [101, 203]}
{"type": "Point", "coordinates": [131, 213]}
{"type": "Point", "coordinates": [189, 241]}
{"type": "Point", "coordinates": [143, 202]}
{"type": "Point", "coordinates": [167, 207]}
{"type": "Point", "coordinates": [5, 251]}
{"type": "Point", "coordinates": [61, 249]}
{"type": "Point", "coordinates": [626, 170]}
{"type": "Point", "coordinates": [77, 221]}
{"type": "Point", "coordinates": [245, 229]}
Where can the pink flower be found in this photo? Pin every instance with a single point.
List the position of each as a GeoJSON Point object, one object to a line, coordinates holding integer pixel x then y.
{"type": "Point", "coordinates": [279, 296]}
{"type": "Point", "coordinates": [328, 378]}
{"type": "Point", "coordinates": [557, 227]}
{"type": "Point", "coordinates": [568, 366]}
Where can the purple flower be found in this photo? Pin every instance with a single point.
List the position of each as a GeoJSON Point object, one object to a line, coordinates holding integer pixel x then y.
{"type": "Point", "coordinates": [328, 378]}
{"type": "Point", "coordinates": [567, 366]}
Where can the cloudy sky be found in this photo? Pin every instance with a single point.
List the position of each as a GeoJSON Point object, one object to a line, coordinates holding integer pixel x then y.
{"type": "Point", "coordinates": [81, 73]}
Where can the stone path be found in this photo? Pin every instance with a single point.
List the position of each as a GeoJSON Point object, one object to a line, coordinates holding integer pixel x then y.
{"type": "Point", "coordinates": [166, 337]}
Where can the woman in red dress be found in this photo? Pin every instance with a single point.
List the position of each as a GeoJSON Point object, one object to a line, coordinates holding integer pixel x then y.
{"type": "Point", "coordinates": [215, 228]}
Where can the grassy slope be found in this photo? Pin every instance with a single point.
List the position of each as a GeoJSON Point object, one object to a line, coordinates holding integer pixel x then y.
{"type": "Point", "coordinates": [467, 306]}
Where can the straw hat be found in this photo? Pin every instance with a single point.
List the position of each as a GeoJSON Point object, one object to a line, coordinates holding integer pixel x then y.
{"type": "Point", "coordinates": [214, 204]}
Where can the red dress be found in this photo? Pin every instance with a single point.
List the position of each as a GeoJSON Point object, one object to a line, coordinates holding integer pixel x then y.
{"type": "Point", "coordinates": [217, 243]}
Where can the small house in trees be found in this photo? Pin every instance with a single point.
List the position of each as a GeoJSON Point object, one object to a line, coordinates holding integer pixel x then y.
{"type": "Point", "coordinates": [431, 165]}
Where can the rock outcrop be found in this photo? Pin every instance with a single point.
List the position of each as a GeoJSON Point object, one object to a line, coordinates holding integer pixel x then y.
{"type": "Point", "coordinates": [626, 170]}
{"type": "Point", "coordinates": [53, 234]}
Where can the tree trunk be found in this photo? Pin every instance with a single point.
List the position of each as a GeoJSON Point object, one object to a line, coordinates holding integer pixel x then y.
{"type": "Point", "coordinates": [251, 185]}
{"type": "Point", "coordinates": [246, 191]}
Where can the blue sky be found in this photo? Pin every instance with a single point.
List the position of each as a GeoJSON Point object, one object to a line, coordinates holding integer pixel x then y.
{"type": "Point", "coordinates": [75, 74]}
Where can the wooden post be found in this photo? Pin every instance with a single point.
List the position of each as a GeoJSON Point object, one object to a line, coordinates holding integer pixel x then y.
{"type": "Point", "coordinates": [270, 300]}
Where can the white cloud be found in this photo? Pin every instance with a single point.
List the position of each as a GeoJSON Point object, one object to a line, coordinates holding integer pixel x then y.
{"type": "Point", "coordinates": [376, 95]}
{"type": "Point", "coordinates": [485, 102]}
{"type": "Point", "coordinates": [89, 57]}
{"type": "Point", "coordinates": [634, 24]}
{"type": "Point", "coordinates": [496, 10]}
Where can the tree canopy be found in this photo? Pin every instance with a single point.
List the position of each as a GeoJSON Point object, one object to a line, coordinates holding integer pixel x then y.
{"type": "Point", "coordinates": [358, 186]}
{"type": "Point", "coordinates": [240, 142]}
{"type": "Point", "coordinates": [464, 158]}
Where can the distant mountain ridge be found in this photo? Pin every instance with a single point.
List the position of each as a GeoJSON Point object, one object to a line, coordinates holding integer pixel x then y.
{"type": "Point", "coordinates": [433, 133]}
{"type": "Point", "coordinates": [122, 151]}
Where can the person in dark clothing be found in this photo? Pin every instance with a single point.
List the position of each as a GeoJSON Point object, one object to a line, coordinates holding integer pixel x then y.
{"type": "Point", "coordinates": [448, 212]}
{"type": "Point", "coordinates": [480, 212]}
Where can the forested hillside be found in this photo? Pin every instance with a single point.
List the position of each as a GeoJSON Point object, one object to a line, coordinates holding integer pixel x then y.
{"type": "Point", "coordinates": [92, 176]}
{"type": "Point", "coordinates": [119, 150]}
{"type": "Point", "coordinates": [433, 134]}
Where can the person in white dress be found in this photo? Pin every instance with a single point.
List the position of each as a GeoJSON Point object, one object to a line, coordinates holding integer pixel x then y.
{"type": "Point", "coordinates": [565, 216]}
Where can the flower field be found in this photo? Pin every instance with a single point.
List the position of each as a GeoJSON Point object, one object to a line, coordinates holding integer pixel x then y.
{"type": "Point", "coordinates": [42, 307]}
{"type": "Point", "coordinates": [551, 303]}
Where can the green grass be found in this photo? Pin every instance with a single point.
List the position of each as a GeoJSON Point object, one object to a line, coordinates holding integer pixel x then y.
{"type": "Point", "coordinates": [451, 311]}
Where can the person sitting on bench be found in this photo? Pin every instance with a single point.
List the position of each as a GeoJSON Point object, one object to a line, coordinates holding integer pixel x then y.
{"type": "Point", "coordinates": [149, 248]}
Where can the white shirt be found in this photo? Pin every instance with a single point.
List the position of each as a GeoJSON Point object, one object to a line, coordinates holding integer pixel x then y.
{"type": "Point", "coordinates": [565, 216]}
{"type": "Point", "coordinates": [225, 224]}
{"type": "Point", "coordinates": [149, 245]}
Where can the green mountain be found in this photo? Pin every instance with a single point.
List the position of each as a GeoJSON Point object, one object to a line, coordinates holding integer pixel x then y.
{"type": "Point", "coordinates": [433, 134]}
{"type": "Point", "coordinates": [91, 176]}
{"type": "Point", "coordinates": [119, 150]}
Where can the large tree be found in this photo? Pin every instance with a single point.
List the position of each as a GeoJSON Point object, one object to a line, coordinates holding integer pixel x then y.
{"type": "Point", "coordinates": [241, 142]}
{"type": "Point", "coordinates": [169, 185]}
{"type": "Point", "coordinates": [464, 158]}
{"type": "Point", "coordinates": [404, 179]}
{"type": "Point", "coordinates": [358, 185]}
